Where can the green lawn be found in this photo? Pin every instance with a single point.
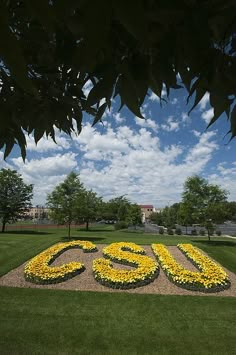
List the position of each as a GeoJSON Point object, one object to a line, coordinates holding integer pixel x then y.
{"type": "Point", "coordinates": [70, 322]}
{"type": "Point", "coordinates": [35, 321]}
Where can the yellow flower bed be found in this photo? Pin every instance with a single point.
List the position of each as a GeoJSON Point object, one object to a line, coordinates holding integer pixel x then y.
{"type": "Point", "coordinates": [38, 270]}
{"type": "Point", "coordinates": [211, 278]}
{"type": "Point", "coordinates": [126, 253]}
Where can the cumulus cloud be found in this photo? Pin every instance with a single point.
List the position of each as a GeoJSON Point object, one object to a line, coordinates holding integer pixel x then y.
{"type": "Point", "coordinates": [122, 160]}
{"type": "Point", "coordinates": [196, 133]}
{"type": "Point", "coordinates": [184, 117]}
{"type": "Point", "coordinates": [118, 118]}
{"type": "Point", "coordinates": [47, 144]}
{"type": "Point", "coordinates": [87, 87]}
{"type": "Point", "coordinates": [174, 101]}
{"type": "Point", "coordinates": [45, 173]}
{"type": "Point", "coordinates": [204, 101]}
{"type": "Point", "coordinates": [148, 123]}
{"type": "Point", "coordinates": [154, 97]}
{"type": "Point", "coordinates": [226, 178]}
{"type": "Point", "coordinates": [207, 115]}
{"type": "Point", "coordinates": [170, 125]}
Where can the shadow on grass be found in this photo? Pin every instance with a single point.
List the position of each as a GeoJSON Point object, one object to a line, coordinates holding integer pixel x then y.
{"type": "Point", "coordinates": [28, 232]}
{"type": "Point", "coordinates": [216, 243]}
{"type": "Point", "coordinates": [91, 239]}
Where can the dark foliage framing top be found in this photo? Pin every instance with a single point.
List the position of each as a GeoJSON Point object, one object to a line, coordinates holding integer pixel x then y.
{"type": "Point", "coordinates": [50, 49]}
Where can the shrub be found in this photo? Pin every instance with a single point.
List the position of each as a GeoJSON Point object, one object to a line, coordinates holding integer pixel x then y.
{"type": "Point", "coordinates": [193, 232]}
{"type": "Point", "coordinates": [170, 231]}
{"type": "Point", "coordinates": [178, 231]}
{"type": "Point", "coordinates": [202, 232]}
{"type": "Point", "coordinates": [121, 225]}
{"type": "Point", "coordinates": [218, 232]}
{"type": "Point", "coordinates": [161, 230]}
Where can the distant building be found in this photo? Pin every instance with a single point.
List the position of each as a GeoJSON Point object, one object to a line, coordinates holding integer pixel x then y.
{"type": "Point", "coordinates": [147, 210]}
{"type": "Point", "coordinates": [37, 212]}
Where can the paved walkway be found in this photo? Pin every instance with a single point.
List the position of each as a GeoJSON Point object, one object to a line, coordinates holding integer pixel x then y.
{"type": "Point", "coordinates": [229, 236]}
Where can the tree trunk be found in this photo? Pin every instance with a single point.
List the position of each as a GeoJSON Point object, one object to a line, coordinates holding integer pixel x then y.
{"type": "Point", "coordinates": [208, 234]}
{"type": "Point", "coordinates": [3, 226]}
{"type": "Point", "coordinates": [69, 230]}
{"type": "Point", "coordinates": [87, 225]}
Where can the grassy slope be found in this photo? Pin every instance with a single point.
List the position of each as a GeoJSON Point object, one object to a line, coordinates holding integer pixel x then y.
{"type": "Point", "coordinates": [70, 322]}
{"type": "Point", "coordinates": [16, 248]}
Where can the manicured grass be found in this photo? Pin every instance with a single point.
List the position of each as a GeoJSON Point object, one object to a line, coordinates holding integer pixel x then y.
{"type": "Point", "coordinates": [70, 322]}
{"type": "Point", "coordinates": [17, 247]}
{"type": "Point", "coordinates": [35, 321]}
{"type": "Point", "coordinates": [224, 251]}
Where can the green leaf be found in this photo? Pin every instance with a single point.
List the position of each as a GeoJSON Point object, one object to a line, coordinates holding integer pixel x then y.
{"type": "Point", "coordinates": [129, 96]}
{"type": "Point", "coordinates": [220, 105]}
{"type": "Point", "coordinates": [200, 92]}
{"type": "Point", "coordinates": [102, 89]}
{"type": "Point", "coordinates": [133, 20]}
{"type": "Point", "coordinates": [43, 12]}
{"type": "Point", "coordinates": [99, 113]}
{"type": "Point", "coordinates": [38, 133]}
{"type": "Point", "coordinates": [233, 123]}
{"type": "Point", "coordinates": [13, 58]}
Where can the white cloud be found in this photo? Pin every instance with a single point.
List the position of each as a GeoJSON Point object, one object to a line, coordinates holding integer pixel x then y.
{"type": "Point", "coordinates": [118, 118]}
{"type": "Point", "coordinates": [154, 97]}
{"type": "Point", "coordinates": [125, 161]}
{"type": "Point", "coordinates": [145, 171]}
{"type": "Point", "coordinates": [174, 101]}
{"type": "Point", "coordinates": [45, 173]}
{"type": "Point", "coordinates": [47, 144]}
{"type": "Point", "coordinates": [3, 163]}
{"type": "Point", "coordinates": [185, 117]}
{"type": "Point", "coordinates": [226, 178]}
{"type": "Point", "coordinates": [196, 133]}
{"type": "Point", "coordinates": [171, 125]}
{"type": "Point", "coordinates": [207, 115]}
{"type": "Point", "coordinates": [204, 101]}
{"type": "Point", "coordinates": [202, 152]}
{"type": "Point", "coordinates": [87, 87]}
{"type": "Point", "coordinates": [148, 123]}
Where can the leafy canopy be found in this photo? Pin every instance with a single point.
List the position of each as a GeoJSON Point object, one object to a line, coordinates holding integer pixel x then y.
{"type": "Point", "coordinates": [71, 202]}
{"type": "Point", "coordinates": [203, 203]}
{"type": "Point", "coordinates": [63, 201]}
{"type": "Point", "coordinates": [15, 196]}
{"type": "Point", "coordinates": [50, 49]}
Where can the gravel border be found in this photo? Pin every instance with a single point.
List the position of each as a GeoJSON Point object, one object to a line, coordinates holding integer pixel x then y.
{"type": "Point", "coordinates": [86, 282]}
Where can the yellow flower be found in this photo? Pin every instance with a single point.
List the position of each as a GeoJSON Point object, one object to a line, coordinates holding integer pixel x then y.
{"type": "Point", "coordinates": [38, 270]}
{"type": "Point", "coordinates": [211, 276]}
{"type": "Point", "coordinates": [126, 253]}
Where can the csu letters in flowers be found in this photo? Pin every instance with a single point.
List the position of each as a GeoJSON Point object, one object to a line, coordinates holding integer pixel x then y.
{"type": "Point", "coordinates": [210, 276]}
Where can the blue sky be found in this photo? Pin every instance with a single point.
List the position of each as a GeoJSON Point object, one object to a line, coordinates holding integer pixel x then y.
{"type": "Point", "coordinates": [148, 160]}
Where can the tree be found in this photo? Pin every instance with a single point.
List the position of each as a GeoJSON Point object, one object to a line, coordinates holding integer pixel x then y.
{"type": "Point", "coordinates": [51, 49]}
{"type": "Point", "coordinates": [156, 218]}
{"type": "Point", "coordinates": [90, 205]}
{"type": "Point", "coordinates": [15, 196]}
{"type": "Point", "coordinates": [184, 216]}
{"type": "Point", "coordinates": [134, 215]}
{"type": "Point", "coordinates": [203, 202]}
{"type": "Point", "coordinates": [231, 207]}
{"type": "Point", "coordinates": [64, 201]}
{"type": "Point", "coordinates": [116, 208]}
